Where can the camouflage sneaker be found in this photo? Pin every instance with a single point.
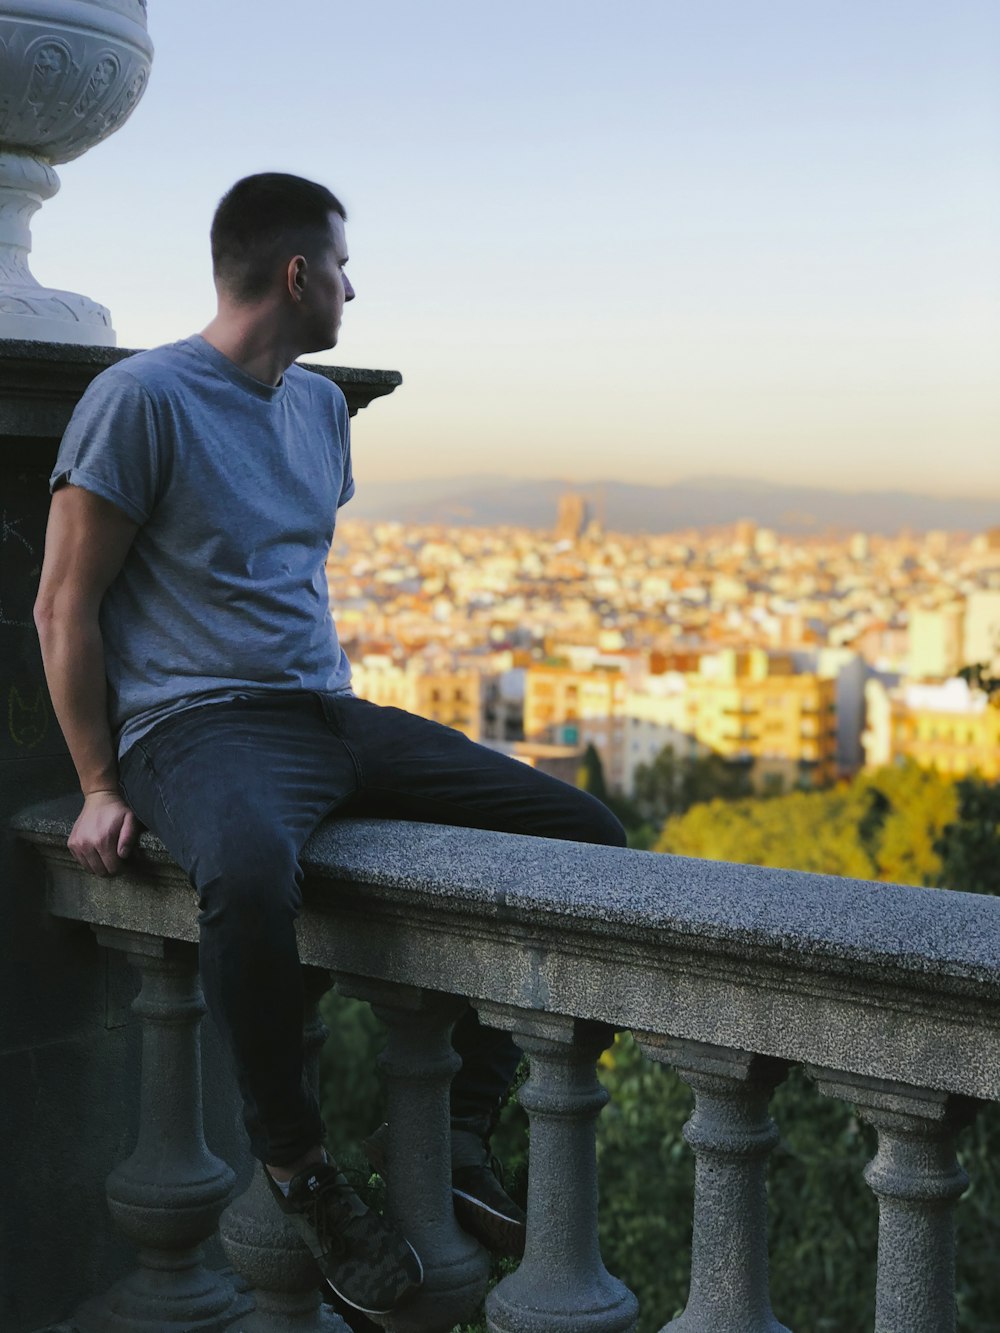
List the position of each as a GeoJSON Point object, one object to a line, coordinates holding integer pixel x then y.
{"type": "Point", "coordinates": [482, 1206]}
{"type": "Point", "coordinates": [363, 1258]}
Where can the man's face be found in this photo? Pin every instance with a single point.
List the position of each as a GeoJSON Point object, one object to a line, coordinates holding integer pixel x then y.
{"type": "Point", "coordinates": [327, 288]}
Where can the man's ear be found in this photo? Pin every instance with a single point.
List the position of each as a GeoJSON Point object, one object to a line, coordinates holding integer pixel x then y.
{"type": "Point", "coordinates": [297, 276]}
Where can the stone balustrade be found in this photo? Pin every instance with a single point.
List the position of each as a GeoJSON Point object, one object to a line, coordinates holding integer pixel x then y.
{"type": "Point", "coordinates": [890, 996]}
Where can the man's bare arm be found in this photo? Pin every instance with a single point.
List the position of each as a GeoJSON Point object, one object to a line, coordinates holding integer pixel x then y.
{"type": "Point", "coordinates": [86, 542]}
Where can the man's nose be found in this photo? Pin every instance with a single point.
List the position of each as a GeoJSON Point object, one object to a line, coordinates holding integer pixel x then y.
{"type": "Point", "coordinates": [348, 289]}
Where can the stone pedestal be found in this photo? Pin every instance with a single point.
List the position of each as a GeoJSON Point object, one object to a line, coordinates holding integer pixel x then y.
{"type": "Point", "coordinates": [72, 72]}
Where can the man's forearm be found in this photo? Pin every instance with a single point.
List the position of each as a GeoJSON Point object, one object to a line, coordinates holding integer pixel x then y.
{"type": "Point", "coordinates": [73, 655]}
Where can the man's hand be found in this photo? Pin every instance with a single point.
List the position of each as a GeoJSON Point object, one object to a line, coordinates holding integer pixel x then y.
{"type": "Point", "coordinates": [104, 834]}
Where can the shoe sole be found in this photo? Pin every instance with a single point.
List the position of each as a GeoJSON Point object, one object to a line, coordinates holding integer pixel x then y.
{"type": "Point", "coordinates": [499, 1233]}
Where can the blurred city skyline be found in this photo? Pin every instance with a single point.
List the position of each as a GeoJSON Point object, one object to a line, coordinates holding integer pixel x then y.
{"type": "Point", "coordinates": [643, 243]}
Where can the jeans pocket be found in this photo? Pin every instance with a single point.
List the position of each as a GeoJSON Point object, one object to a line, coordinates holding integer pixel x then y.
{"type": "Point", "coordinates": [142, 791]}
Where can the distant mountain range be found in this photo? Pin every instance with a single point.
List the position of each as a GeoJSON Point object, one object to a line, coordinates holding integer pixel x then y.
{"type": "Point", "coordinates": [697, 502]}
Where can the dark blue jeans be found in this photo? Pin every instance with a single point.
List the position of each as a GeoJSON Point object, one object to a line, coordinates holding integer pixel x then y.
{"type": "Point", "coordinates": [235, 789]}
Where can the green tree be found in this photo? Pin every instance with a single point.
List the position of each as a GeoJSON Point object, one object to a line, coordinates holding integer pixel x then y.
{"type": "Point", "coordinates": [969, 846]}
{"type": "Point", "coordinates": [918, 804]}
{"type": "Point", "coordinates": [590, 774]}
{"type": "Point", "coordinates": [885, 825]}
{"type": "Point", "coordinates": [980, 677]}
{"type": "Point", "coordinates": [711, 778]}
{"type": "Point", "coordinates": [800, 831]}
{"type": "Point", "coordinates": [670, 785]}
{"type": "Point", "coordinates": [657, 786]}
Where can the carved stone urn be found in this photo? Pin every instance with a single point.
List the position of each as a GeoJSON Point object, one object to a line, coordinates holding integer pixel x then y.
{"type": "Point", "coordinates": [71, 72]}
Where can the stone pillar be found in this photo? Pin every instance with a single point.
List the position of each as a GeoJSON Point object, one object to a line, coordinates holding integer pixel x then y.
{"type": "Point", "coordinates": [263, 1247]}
{"type": "Point", "coordinates": [168, 1195]}
{"type": "Point", "coordinates": [917, 1180]}
{"type": "Point", "coordinates": [731, 1134]}
{"type": "Point", "coordinates": [562, 1283]}
{"type": "Point", "coordinates": [419, 1063]}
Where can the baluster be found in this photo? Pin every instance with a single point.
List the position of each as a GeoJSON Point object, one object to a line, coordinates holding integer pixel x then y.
{"type": "Point", "coordinates": [419, 1063]}
{"type": "Point", "coordinates": [917, 1181]}
{"type": "Point", "coordinates": [562, 1283]}
{"type": "Point", "coordinates": [731, 1134]}
{"type": "Point", "coordinates": [168, 1195]}
{"type": "Point", "coordinates": [262, 1245]}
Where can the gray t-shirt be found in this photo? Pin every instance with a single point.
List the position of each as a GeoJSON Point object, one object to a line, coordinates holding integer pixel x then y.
{"type": "Point", "coordinates": [235, 486]}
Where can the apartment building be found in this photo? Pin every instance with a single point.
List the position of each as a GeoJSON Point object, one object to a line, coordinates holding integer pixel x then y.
{"type": "Point", "coordinates": [451, 696]}
{"type": "Point", "coordinates": [661, 713]}
{"type": "Point", "coordinates": [946, 726]}
{"type": "Point", "coordinates": [754, 707]}
{"type": "Point", "coordinates": [701, 641]}
{"type": "Point", "coordinates": [566, 705]}
{"type": "Point", "coordinates": [751, 707]}
{"type": "Point", "coordinates": [982, 628]}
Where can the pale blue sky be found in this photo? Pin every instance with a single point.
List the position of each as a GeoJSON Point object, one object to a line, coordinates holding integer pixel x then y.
{"type": "Point", "coordinates": [642, 240]}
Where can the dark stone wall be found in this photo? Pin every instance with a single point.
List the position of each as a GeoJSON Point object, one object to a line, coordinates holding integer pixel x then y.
{"type": "Point", "coordinates": [65, 1043]}
{"type": "Point", "coordinates": [69, 1044]}
{"type": "Point", "coordinates": [67, 1047]}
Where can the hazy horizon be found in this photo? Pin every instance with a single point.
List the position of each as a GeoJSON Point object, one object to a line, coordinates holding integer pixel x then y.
{"type": "Point", "coordinates": [685, 479]}
{"type": "Point", "coordinates": [691, 503]}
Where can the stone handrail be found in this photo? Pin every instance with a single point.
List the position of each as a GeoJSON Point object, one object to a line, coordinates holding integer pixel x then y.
{"type": "Point", "coordinates": [890, 995]}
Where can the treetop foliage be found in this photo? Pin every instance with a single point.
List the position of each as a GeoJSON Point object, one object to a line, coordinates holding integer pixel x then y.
{"type": "Point", "coordinates": [905, 825]}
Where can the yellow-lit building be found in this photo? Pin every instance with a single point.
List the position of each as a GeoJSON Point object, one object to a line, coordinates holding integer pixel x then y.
{"type": "Point", "coordinates": [948, 727]}
{"type": "Point", "coordinates": [754, 707]}
{"type": "Point", "coordinates": [452, 697]}
{"type": "Point", "coordinates": [750, 707]}
{"type": "Point", "coordinates": [982, 628]}
{"type": "Point", "coordinates": [555, 694]}
{"type": "Point", "coordinates": [658, 714]}
{"type": "Point", "coordinates": [571, 706]}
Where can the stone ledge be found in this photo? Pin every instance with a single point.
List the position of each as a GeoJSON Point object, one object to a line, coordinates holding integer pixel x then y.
{"type": "Point", "coordinates": [44, 381]}
{"type": "Point", "coordinates": [884, 980]}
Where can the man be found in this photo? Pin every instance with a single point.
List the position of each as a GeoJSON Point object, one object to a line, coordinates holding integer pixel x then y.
{"type": "Point", "coordinates": [195, 670]}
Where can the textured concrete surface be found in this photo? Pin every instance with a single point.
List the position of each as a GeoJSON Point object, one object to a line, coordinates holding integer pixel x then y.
{"type": "Point", "coordinates": [918, 1180]}
{"type": "Point", "coordinates": [562, 1283]}
{"type": "Point", "coordinates": [876, 979]}
{"type": "Point", "coordinates": [419, 1063]}
{"type": "Point", "coordinates": [884, 983]}
{"type": "Point", "coordinates": [732, 1135]}
{"type": "Point", "coordinates": [64, 1031]}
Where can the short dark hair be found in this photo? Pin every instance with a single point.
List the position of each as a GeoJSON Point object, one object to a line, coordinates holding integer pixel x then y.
{"type": "Point", "coordinates": [259, 220]}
